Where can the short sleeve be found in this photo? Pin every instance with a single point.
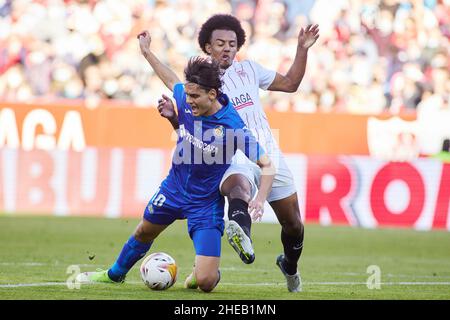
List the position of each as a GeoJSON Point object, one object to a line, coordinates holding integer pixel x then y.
{"type": "Point", "coordinates": [180, 96]}
{"type": "Point", "coordinates": [265, 76]}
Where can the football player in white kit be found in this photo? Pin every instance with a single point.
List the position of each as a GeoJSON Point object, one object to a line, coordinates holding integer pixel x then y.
{"type": "Point", "coordinates": [220, 37]}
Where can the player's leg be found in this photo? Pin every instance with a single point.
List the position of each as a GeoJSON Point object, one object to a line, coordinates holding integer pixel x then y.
{"type": "Point", "coordinates": [292, 234]}
{"type": "Point", "coordinates": [206, 274]}
{"type": "Point", "coordinates": [159, 213]}
{"type": "Point", "coordinates": [238, 190]}
{"type": "Point", "coordinates": [284, 201]}
{"type": "Point", "coordinates": [135, 249]}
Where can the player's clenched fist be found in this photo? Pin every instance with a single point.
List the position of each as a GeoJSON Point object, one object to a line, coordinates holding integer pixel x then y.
{"type": "Point", "coordinates": [165, 107]}
{"type": "Point", "coordinates": [144, 41]}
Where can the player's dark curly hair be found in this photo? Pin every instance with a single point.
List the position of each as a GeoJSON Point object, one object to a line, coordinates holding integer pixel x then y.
{"type": "Point", "coordinates": [220, 22]}
{"type": "Point", "coordinates": [205, 73]}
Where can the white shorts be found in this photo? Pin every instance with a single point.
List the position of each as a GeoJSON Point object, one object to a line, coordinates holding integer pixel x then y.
{"type": "Point", "coordinates": [283, 183]}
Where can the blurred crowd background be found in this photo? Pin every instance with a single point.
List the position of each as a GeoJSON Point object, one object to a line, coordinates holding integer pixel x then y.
{"type": "Point", "coordinates": [372, 56]}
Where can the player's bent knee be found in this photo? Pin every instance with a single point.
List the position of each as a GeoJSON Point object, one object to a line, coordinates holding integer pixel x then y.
{"type": "Point", "coordinates": [206, 288]}
{"type": "Point", "coordinates": [293, 227]}
{"type": "Point", "coordinates": [207, 282]}
{"type": "Point", "coordinates": [242, 192]}
{"type": "Point", "coordinates": [237, 187]}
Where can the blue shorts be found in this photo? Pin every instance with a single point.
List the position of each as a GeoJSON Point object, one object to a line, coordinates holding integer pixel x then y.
{"type": "Point", "coordinates": [207, 242]}
{"type": "Point", "coordinates": [205, 220]}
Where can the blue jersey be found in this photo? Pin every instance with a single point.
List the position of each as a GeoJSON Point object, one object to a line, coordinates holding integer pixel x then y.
{"type": "Point", "coordinates": [205, 147]}
{"type": "Point", "coordinates": [203, 153]}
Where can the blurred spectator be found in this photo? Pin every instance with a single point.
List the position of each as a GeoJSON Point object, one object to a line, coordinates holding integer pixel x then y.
{"type": "Point", "coordinates": [373, 56]}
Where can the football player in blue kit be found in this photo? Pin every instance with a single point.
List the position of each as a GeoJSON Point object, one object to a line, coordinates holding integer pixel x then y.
{"type": "Point", "coordinates": [221, 37]}
{"type": "Point", "coordinates": [210, 132]}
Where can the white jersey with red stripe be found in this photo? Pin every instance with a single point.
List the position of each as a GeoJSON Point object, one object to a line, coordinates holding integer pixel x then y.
{"type": "Point", "coordinates": [241, 83]}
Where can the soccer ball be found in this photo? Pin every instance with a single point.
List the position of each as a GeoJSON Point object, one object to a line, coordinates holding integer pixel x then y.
{"type": "Point", "coordinates": [159, 271]}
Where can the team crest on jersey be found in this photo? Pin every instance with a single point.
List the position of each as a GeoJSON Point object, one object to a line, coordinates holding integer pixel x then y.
{"type": "Point", "coordinates": [150, 208]}
{"type": "Point", "coordinates": [219, 131]}
{"type": "Point", "coordinates": [241, 73]}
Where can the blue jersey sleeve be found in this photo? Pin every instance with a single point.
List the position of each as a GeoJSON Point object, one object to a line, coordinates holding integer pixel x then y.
{"type": "Point", "coordinates": [180, 97]}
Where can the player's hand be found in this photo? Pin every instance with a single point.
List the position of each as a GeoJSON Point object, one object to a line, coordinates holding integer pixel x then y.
{"type": "Point", "coordinates": [144, 41]}
{"type": "Point", "coordinates": [256, 209]}
{"type": "Point", "coordinates": [307, 37]}
{"type": "Point", "coordinates": [165, 107]}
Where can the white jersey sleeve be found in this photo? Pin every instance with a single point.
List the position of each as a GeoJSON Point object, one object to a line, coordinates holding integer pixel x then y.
{"type": "Point", "coordinates": [265, 76]}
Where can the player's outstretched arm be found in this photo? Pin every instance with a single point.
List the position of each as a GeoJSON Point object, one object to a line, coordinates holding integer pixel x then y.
{"type": "Point", "coordinates": [256, 206]}
{"type": "Point", "coordinates": [164, 72]}
{"type": "Point", "coordinates": [167, 110]}
{"type": "Point", "coordinates": [291, 81]}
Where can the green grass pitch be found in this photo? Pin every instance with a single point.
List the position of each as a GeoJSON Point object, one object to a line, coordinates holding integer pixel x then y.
{"type": "Point", "coordinates": [36, 252]}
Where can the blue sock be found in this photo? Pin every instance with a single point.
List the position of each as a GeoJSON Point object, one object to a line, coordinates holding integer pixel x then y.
{"type": "Point", "coordinates": [131, 253]}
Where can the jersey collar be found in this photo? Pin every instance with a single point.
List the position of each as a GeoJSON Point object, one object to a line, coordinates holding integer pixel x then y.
{"type": "Point", "coordinates": [225, 102]}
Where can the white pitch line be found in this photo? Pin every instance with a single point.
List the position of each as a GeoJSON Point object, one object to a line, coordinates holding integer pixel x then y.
{"type": "Point", "coordinates": [42, 284]}
{"type": "Point", "coordinates": [41, 264]}
{"type": "Point", "coordinates": [390, 275]}
{"type": "Point", "coordinates": [238, 269]}
{"type": "Point", "coordinates": [343, 283]}
{"type": "Point", "coordinates": [26, 264]}
{"type": "Point", "coordinates": [330, 283]}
